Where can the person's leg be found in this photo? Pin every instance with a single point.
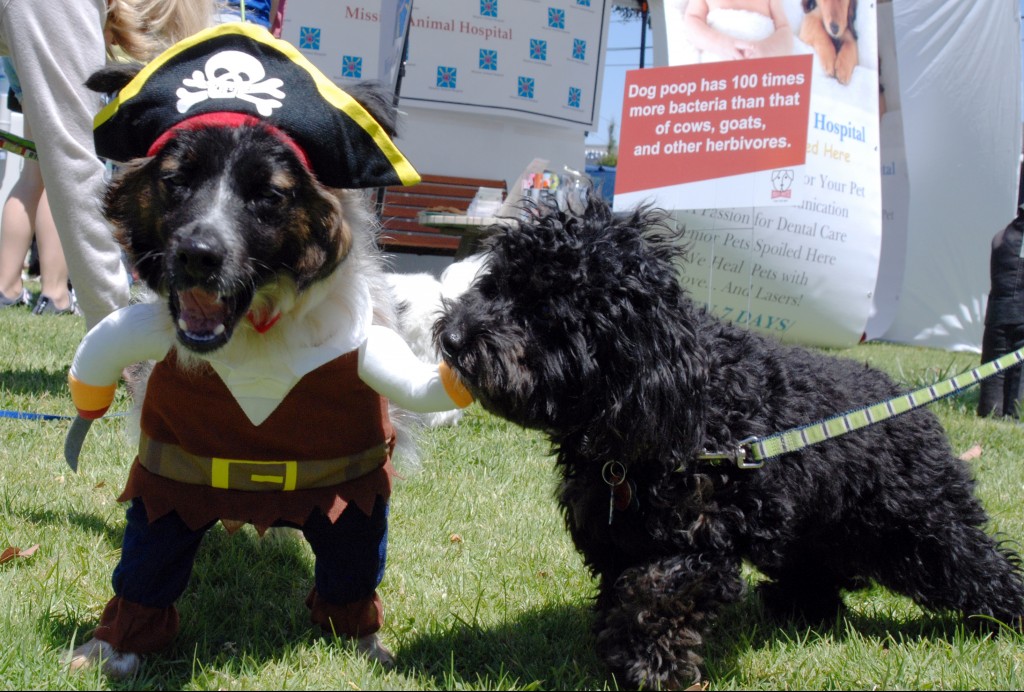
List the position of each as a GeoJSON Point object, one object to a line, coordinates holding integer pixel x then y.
{"type": "Point", "coordinates": [1014, 381]}
{"type": "Point", "coordinates": [61, 109]}
{"type": "Point", "coordinates": [1011, 393]}
{"type": "Point", "coordinates": [53, 268]}
{"type": "Point", "coordinates": [277, 17]}
{"type": "Point", "coordinates": [27, 212]}
{"type": "Point", "coordinates": [16, 230]}
{"type": "Point", "coordinates": [994, 343]}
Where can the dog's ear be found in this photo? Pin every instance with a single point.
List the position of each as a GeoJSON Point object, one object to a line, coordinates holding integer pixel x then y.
{"type": "Point", "coordinates": [678, 341]}
{"type": "Point", "coordinates": [129, 206]}
{"type": "Point", "coordinates": [378, 101]}
{"type": "Point", "coordinates": [112, 78]}
{"type": "Point", "coordinates": [851, 18]}
{"type": "Point", "coordinates": [327, 237]}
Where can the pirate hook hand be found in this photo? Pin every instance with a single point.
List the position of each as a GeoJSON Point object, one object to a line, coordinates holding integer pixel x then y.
{"type": "Point", "coordinates": [388, 366]}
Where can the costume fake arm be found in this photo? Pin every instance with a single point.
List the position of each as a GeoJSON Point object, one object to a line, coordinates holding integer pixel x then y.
{"type": "Point", "coordinates": [388, 366]}
{"type": "Point", "coordinates": [129, 335]}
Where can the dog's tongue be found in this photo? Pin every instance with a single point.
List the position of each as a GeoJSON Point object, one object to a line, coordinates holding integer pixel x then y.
{"type": "Point", "coordinates": [201, 311]}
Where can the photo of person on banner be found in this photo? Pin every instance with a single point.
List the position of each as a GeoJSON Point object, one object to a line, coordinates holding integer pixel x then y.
{"type": "Point", "coordinates": [736, 29]}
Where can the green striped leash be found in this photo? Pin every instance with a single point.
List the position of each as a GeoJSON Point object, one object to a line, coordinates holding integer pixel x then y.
{"type": "Point", "coordinates": [752, 452]}
{"type": "Point", "coordinates": [18, 145]}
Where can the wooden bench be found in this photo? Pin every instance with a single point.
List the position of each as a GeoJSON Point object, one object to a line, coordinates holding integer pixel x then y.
{"type": "Point", "coordinates": [400, 229]}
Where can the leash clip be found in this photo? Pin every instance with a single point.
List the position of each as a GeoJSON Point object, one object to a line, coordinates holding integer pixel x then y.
{"type": "Point", "coordinates": [739, 456]}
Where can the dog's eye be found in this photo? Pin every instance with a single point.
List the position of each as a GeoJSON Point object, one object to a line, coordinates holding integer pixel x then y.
{"type": "Point", "coordinates": [266, 196]}
{"type": "Point", "coordinates": [271, 193]}
{"type": "Point", "coordinates": [174, 179]}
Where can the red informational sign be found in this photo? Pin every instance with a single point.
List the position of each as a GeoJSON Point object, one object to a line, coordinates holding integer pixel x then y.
{"type": "Point", "coordinates": [699, 122]}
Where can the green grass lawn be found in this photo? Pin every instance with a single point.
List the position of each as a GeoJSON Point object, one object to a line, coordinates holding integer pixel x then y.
{"type": "Point", "coordinates": [483, 590]}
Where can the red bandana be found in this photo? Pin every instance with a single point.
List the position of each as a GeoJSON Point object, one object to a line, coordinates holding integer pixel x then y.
{"type": "Point", "coordinates": [225, 119]}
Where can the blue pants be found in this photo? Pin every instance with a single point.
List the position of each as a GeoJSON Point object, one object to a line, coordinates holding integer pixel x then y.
{"type": "Point", "coordinates": [157, 558]}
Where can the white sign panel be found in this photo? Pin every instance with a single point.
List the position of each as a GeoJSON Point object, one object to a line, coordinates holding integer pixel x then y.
{"type": "Point", "coordinates": [779, 194]}
{"type": "Point", "coordinates": [534, 58]}
{"type": "Point", "coordinates": [538, 59]}
{"type": "Point", "coordinates": [345, 41]}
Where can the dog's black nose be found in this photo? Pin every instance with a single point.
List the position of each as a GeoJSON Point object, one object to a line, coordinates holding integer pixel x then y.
{"type": "Point", "coordinates": [198, 258]}
{"type": "Point", "coordinates": [833, 29]}
{"type": "Point", "coordinates": [452, 340]}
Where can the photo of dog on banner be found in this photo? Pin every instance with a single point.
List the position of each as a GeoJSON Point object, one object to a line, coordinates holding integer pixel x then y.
{"type": "Point", "coordinates": [278, 368]}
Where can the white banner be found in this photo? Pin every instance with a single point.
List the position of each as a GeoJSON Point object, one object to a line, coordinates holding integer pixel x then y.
{"type": "Point", "coordinates": [538, 59]}
{"type": "Point", "coordinates": [526, 58]}
{"type": "Point", "coordinates": [349, 42]}
{"type": "Point", "coordinates": [895, 183]}
{"type": "Point", "coordinates": [783, 224]}
{"type": "Point", "coordinates": [959, 101]}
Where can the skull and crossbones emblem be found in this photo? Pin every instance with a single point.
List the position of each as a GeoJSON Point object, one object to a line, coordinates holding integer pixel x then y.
{"type": "Point", "coordinates": [231, 74]}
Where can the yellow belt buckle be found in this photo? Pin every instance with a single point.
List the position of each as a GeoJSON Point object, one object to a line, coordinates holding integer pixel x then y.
{"type": "Point", "coordinates": [220, 473]}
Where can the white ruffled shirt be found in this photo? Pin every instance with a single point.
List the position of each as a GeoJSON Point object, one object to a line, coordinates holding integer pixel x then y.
{"type": "Point", "coordinates": [260, 382]}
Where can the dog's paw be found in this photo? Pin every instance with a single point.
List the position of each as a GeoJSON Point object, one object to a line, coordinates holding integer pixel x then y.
{"type": "Point", "coordinates": [846, 60]}
{"type": "Point", "coordinates": [828, 65]}
{"type": "Point", "coordinates": [117, 665]}
{"type": "Point", "coordinates": [682, 675]}
{"type": "Point", "coordinates": [371, 647]}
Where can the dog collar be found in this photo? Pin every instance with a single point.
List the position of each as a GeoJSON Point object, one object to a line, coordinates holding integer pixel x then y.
{"type": "Point", "coordinates": [240, 68]}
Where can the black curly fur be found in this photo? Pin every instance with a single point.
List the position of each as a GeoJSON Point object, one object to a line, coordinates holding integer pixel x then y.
{"type": "Point", "coordinates": [579, 327]}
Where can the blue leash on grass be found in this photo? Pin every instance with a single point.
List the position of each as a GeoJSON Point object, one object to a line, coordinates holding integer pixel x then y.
{"type": "Point", "coordinates": [76, 433]}
{"type": "Point", "coordinates": [27, 415]}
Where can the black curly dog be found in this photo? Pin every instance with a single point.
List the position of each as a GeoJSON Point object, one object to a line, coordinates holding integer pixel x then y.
{"type": "Point", "coordinates": [578, 327]}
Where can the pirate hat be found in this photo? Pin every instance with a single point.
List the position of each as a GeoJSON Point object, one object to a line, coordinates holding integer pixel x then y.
{"type": "Point", "coordinates": [238, 72]}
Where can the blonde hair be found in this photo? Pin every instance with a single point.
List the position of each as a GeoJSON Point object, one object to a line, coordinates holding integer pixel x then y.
{"type": "Point", "coordinates": [143, 28]}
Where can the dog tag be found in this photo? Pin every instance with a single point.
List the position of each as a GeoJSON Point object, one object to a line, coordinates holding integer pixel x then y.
{"type": "Point", "coordinates": [614, 475]}
{"type": "Point", "coordinates": [624, 496]}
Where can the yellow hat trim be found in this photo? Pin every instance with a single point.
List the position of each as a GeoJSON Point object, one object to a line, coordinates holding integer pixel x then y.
{"type": "Point", "coordinates": [328, 89]}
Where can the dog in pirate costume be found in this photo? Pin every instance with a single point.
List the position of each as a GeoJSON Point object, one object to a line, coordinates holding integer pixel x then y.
{"type": "Point", "coordinates": [240, 205]}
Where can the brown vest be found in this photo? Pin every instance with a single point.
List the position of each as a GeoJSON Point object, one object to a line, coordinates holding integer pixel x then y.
{"type": "Point", "coordinates": [329, 414]}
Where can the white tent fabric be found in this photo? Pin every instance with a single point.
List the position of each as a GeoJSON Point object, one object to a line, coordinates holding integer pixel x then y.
{"type": "Point", "coordinates": [960, 94]}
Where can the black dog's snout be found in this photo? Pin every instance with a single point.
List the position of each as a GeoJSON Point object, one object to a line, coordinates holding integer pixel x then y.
{"type": "Point", "coordinates": [199, 258]}
{"type": "Point", "coordinates": [452, 339]}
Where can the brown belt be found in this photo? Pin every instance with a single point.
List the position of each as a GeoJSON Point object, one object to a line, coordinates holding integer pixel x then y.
{"type": "Point", "coordinates": [171, 461]}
